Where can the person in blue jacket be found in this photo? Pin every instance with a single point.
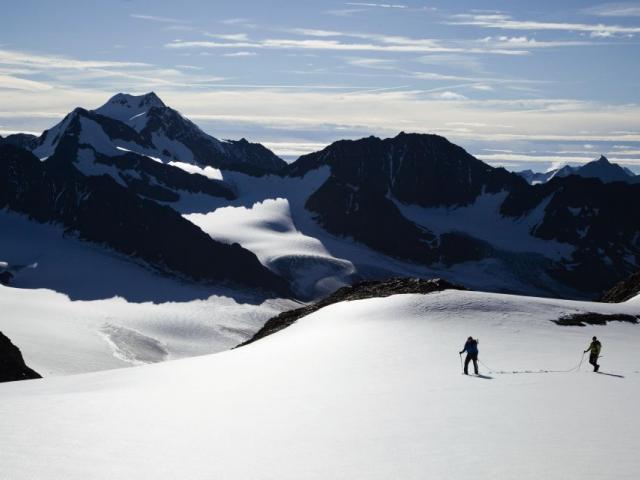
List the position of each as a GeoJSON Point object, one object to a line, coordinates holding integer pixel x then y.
{"type": "Point", "coordinates": [471, 347]}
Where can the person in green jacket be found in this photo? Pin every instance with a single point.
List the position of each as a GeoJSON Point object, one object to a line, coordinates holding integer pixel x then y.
{"type": "Point", "coordinates": [594, 348]}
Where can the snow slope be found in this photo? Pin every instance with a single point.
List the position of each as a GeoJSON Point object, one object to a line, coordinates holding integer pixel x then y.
{"type": "Point", "coordinates": [361, 390]}
{"type": "Point", "coordinates": [86, 308]}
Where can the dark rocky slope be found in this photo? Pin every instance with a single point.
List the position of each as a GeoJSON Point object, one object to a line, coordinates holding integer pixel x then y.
{"type": "Point", "coordinates": [624, 290]}
{"type": "Point", "coordinates": [12, 366]}
{"type": "Point", "coordinates": [370, 179]}
{"type": "Point", "coordinates": [359, 291]}
{"type": "Point", "coordinates": [98, 209]}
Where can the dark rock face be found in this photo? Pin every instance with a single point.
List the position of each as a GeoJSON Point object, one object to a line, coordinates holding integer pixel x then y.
{"type": "Point", "coordinates": [425, 170]}
{"type": "Point", "coordinates": [624, 290]}
{"type": "Point", "coordinates": [22, 140]}
{"type": "Point", "coordinates": [590, 318]}
{"type": "Point", "coordinates": [371, 177]}
{"type": "Point", "coordinates": [241, 156]}
{"type": "Point", "coordinates": [359, 291]}
{"type": "Point", "coordinates": [12, 366]}
{"type": "Point", "coordinates": [5, 277]}
{"type": "Point", "coordinates": [100, 210]}
{"type": "Point", "coordinates": [595, 218]}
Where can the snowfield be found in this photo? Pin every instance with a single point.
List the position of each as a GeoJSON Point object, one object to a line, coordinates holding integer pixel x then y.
{"type": "Point", "coordinates": [370, 389]}
{"type": "Point", "coordinates": [86, 308]}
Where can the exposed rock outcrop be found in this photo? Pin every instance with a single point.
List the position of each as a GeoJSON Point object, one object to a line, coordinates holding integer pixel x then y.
{"type": "Point", "coordinates": [359, 291]}
{"type": "Point", "coordinates": [12, 366]}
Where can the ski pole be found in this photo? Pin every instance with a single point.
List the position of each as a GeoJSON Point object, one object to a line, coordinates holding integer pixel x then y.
{"type": "Point", "coordinates": [461, 366]}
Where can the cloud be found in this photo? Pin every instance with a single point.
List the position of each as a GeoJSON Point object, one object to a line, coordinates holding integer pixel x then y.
{"type": "Point", "coordinates": [377, 5]}
{"type": "Point", "coordinates": [61, 71]}
{"type": "Point", "coordinates": [375, 63]}
{"type": "Point", "coordinates": [34, 60]}
{"type": "Point", "coordinates": [315, 32]}
{"type": "Point", "coordinates": [379, 43]}
{"type": "Point", "coordinates": [614, 10]}
{"type": "Point", "coordinates": [449, 95]}
{"type": "Point", "coordinates": [235, 21]}
{"type": "Point", "coordinates": [294, 149]}
{"type": "Point", "coordinates": [344, 12]}
{"type": "Point", "coordinates": [153, 18]}
{"type": "Point", "coordinates": [8, 82]}
{"type": "Point", "coordinates": [235, 37]}
{"type": "Point", "coordinates": [506, 22]}
{"type": "Point", "coordinates": [240, 54]}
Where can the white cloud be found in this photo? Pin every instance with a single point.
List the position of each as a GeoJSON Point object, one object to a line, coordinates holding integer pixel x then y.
{"type": "Point", "coordinates": [614, 10]}
{"type": "Point", "coordinates": [8, 82]}
{"type": "Point", "coordinates": [316, 33]}
{"type": "Point", "coordinates": [384, 44]}
{"type": "Point", "coordinates": [236, 37]}
{"type": "Point", "coordinates": [375, 63]}
{"type": "Point", "coordinates": [294, 149]}
{"type": "Point", "coordinates": [449, 95]}
{"type": "Point", "coordinates": [235, 21]}
{"type": "Point", "coordinates": [506, 22]}
{"type": "Point", "coordinates": [482, 88]}
{"type": "Point", "coordinates": [240, 54]}
{"type": "Point", "coordinates": [377, 5]}
{"type": "Point", "coordinates": [34, 60]}
{"type": "Point", "coordinates": [153, 18]}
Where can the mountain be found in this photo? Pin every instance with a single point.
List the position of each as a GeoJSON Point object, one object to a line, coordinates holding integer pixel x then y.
{"type": "Point", "coordinates": [22, 140]}
{"type": "Point", "coordinates": [99, 209]}
{"type": "Point", "coordinates": [161, 132]}
{"type": "Point", "coordinates": [421, 199]}
{"type": "Point", "coordinates": [12, 366]}
{"type": "Point", "coordinates": [369, 176]}
{"type": "Point", "coordinates": [606, 171]}
{"type": "Point", "coordinates": [601, 169]}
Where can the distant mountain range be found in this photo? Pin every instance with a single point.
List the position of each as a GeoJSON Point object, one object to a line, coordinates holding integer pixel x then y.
{"type": "Point", "coordinates": [601, 169]}
{"type": "Point", "coordinates": [137, 177]}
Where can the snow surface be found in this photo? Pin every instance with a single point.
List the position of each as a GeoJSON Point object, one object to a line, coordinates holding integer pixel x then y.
{"type": "Point", "coordinates": [369, 389]}
{"type": "Point", "coordinates": [129, 109]}
{"type": "Point", "coordinates": [109, 311]}
{"type": "Point", "coordinates": [483, 220]}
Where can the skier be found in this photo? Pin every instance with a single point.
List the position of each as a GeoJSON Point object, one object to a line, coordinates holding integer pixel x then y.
{"type": "Point", "coordinates": [594, 348]}
{"type": "Point", "coordinates": [471, 347]}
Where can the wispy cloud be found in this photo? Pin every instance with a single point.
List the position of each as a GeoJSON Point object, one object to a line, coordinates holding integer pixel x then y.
{"type": "Point", "coordinates": [395, 44]}
{"type": "Point", "coordinates": [42, 72]}
{"type": "Point", "coordinates": [154, 18]}
{"type": "Point", "coordinates": [614, 10]}
{"type": "Point", "coordinates": [240, 54]}
{"type": "Point", "coordinates": [506, 22]}
{"type": "Point", "coordinates": [234, 37]}
{"type": "Point", "coordinates": [9, 82]}
{"type": "Point", "coordinates": [377, 5]}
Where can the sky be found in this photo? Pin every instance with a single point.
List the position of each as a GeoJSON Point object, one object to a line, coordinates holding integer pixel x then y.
{"type": "Point", "coordinates": [519, 84]}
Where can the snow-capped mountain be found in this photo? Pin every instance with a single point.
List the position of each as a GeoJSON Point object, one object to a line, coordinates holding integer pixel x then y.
{"type": "Point", "coordinates": [411, 205]}
{"type": "Point", "coordinates": [145, 125]}
{"type": "Point", "coordinates": [71, 189]}
{"type": "Point", "coordinates": [601, 169]}
{"type": "Point", "coordinates": [422, 199]}
{"type": "Point", "coordinates": [165, 134]}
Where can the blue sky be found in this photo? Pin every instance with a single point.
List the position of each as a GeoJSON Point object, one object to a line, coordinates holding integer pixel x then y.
{"type": "Point", "coordinates": [520, 84]}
